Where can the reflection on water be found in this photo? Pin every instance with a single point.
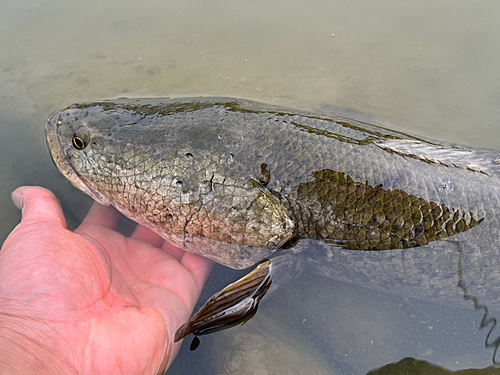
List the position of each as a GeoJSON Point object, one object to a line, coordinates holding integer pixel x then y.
{"type": "Point", "coordinates": [429, 68]}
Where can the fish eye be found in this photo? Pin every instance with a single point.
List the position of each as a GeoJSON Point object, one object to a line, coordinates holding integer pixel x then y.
{"type": "Point", "coordinates": [81, 138]}
{"type": "Point", "coordinates": [78, 142]}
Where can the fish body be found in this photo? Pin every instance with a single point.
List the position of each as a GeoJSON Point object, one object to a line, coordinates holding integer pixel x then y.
{"type": "Point", "coordinates": [239, 181]}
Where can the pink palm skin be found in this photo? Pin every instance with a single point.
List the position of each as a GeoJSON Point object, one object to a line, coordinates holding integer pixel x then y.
{"type": "Point", "coordinates": [90, 301]}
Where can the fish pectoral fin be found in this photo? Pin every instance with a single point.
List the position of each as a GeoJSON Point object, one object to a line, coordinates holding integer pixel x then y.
{"type": "Point", "coordinates": [233, 305]}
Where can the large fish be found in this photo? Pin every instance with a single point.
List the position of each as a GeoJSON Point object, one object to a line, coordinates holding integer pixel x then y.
{"type": "Point", "coordinates": [242, 182]}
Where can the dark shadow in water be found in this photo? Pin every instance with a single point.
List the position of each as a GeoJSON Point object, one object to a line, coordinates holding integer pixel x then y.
{"type": "Point", "coordinates": [412, 366]}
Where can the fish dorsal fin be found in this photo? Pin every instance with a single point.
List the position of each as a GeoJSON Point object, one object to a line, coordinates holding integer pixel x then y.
{"type": "Point", "coordinates": [482, 161]}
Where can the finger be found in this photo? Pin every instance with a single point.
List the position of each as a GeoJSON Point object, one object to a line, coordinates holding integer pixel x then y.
{"type": "Point", "coordinates": [106, 216]}
{"type": "Point", "coordinates": [38, 204]}
{"type": "Point", "coordinates": [144, 234]}
{"type": "Point", "coordinates": [174, 251]}
{"type": "Point", "coordinates": [198, 266]}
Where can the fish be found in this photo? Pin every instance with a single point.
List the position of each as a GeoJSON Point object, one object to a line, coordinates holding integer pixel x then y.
{"type": "Point", "coordinates": [245, 183]}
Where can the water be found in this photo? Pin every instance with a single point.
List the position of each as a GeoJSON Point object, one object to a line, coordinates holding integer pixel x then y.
{"type": "Point", "coordinates": [428, 68]}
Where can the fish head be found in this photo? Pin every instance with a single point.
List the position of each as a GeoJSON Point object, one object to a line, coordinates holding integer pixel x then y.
{"type": "Point", "coordinates": [69, 141]}
{"type": "Point", "coordinates": [164, 170]}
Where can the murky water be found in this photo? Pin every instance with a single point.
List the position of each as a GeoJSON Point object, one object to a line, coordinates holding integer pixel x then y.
{"type": "Point", "coordinates": [428, 68]}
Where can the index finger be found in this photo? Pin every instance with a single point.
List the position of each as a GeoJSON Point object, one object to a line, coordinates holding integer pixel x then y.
{"type": "Point", "coordinates": [105, 216]}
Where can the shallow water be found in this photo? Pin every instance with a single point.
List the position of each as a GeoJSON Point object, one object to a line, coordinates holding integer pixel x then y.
{"type": "Point", "coordinates": [427, 68]}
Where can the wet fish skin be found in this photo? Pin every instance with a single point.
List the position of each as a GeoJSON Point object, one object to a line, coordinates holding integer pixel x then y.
{"type": "Point", "coordinates": [168, 179]}
{"type": "Point", "coordinates": [199, 170]}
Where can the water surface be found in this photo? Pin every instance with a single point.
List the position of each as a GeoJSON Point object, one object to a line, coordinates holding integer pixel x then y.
{"type": "Point", "coordinates": [428, 68]}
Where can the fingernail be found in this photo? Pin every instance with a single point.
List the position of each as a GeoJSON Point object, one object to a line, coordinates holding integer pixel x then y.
{"type": "Point", "coordinates": [18, 198]}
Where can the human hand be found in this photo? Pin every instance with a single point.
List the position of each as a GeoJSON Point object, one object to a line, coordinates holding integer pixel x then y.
{"type": "Point", "coordinates": [90, 301]}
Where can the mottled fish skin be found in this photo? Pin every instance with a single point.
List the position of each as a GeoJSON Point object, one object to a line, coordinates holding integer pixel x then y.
{"type": "Point", "coordinates": [236, 181]}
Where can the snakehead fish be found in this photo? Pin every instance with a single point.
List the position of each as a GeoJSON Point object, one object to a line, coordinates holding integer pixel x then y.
{"type": "Point", "coordinates": [242, 182]}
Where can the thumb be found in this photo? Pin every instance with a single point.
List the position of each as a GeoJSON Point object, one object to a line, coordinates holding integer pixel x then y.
{"type": "Point", "coordinates": [38, 204]}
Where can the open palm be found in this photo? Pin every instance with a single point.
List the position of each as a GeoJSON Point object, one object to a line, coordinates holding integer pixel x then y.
{"type": "Point", "coordinates": [93, 300]}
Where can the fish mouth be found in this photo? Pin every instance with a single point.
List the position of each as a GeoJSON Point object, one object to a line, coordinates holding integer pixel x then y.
{"type": "Point", "coordinates": [56, 149]}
